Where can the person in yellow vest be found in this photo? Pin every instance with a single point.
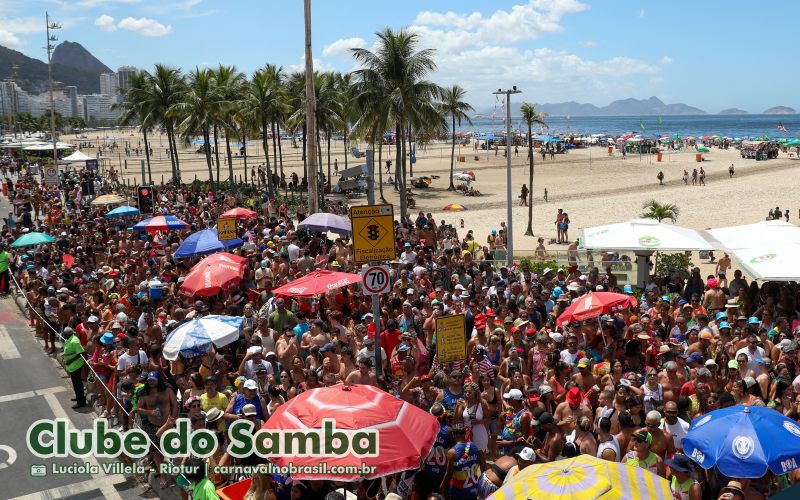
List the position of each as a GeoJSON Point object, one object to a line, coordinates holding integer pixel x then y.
{"type": "Point", "coordinates": [682, 484]}
{"type": "Point", "coordinates": [641, 456]}
{"type": "Point", "coordinates": [73, 362]}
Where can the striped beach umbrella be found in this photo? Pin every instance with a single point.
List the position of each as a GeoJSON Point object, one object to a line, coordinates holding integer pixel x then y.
{"type": "Point", "coordinates": [108, 199]}
{"type": "Point", "coordinates": [161, 223]}
{"type": "Point", "coordinates": [195, 337]}
{"type": "Point", "coordinates": [454, 207]}
{"type": "Point", "coordinates": [585, 478]}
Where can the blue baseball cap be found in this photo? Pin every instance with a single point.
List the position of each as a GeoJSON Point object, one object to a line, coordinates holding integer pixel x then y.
{"type": "Point", "coordinates": [753, 320]}
{"type": "Point", "coordinates": [682, 302]}
{"type": "Point", "coordinates": [721, 315]}
{"type": "Point", "coordinates": [627, 289]}
{"type": "Point", "coordinates": [107, 338]}
{"type": "Point", "coordinates": [152, 375]}
{"type": "Point", "coordinates": [724, 324]}
{"type": "Point", "coordinates": [695, 357]}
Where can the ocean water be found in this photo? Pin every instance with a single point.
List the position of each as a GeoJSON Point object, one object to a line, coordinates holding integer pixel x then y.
{"type": "Point", "coordinates": [737, 126]}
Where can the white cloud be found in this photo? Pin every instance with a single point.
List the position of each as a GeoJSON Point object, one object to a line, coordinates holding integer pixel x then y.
{"type": "Point", "coordinates": [589, 43]}
{"type": "Point", "coordinates": [342, 47]}
{"type": "Point", "coordinates": [88, 4]}
{"type": "Point", "coordinates": [24, 25]}
{"type": "Point", "coordinates": [8, 39]}
{"type": "Point", "coordinates": [666, 60]}
{"type": "Point", "coordinates": [106, 23]}
{"type": "Point", "coordinates": [145, 26]}
{"type": "Point", "coordinates": [319, 65]}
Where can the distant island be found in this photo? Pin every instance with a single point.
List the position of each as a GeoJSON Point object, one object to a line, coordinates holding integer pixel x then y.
{"type": "Point", "coordinates": [733, 111]}
{"type": "Point", "coordinates": [623, 107]}
{"type": "Point", "coordinates": [780, 110]}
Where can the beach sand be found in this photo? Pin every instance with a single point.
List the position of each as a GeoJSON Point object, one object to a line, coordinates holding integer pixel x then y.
{"type": "Point", "coordinates": [591, 186]}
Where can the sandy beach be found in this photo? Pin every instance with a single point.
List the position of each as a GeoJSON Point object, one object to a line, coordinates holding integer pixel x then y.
{"type": "Point", "coordinates": [592, 186]}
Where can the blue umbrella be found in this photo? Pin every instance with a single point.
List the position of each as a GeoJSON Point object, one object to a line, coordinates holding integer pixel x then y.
{"type": "Point", "coordinates": [161, 223]}
{"type": "Point", "coordinates": [124, 211]}
{"type": "Point", "coordinates": [194, 338]}
{"type": "Point", "coordinates": [744, 441]}
{"type": "Point", "coordinates": [205, 242]}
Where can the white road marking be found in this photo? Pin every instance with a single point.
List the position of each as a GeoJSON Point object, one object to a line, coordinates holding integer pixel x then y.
{"type": "Point", "coordinates": [31, 394]}
{"type": "Point", "coordinates": [7, 348]}
{"type": "Point", "coordinates": [72, 490]}
{"type": "Point", "coordinates": [12, 456]}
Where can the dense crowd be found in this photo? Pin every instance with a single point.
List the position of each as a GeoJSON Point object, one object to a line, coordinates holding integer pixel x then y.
{"type": "Point", "coordinates": [622, 387]}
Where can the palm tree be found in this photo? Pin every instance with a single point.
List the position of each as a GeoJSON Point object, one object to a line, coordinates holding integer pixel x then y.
{"type": "Point", "coordinates": [166, 87]}
{"type": "Point", "coordinates": [134, 110]}
{"type": "Point", "coordinates": [295, 91]}
{"type": "Point", "coordinates": [453, 104]}
{"type": "Point", "coordinates": [345, 91]}
{"type": "Point", "coordinates": [259, 103]}
{"type": "Point", "coordinates": [396, 73]}
{"type": "Point", "coordinates": [531, 117]}
{"type": "Point", "coordinates": [659, 212]}
{"type": "Point", "coordinates": [229, 83]}
{"type": "Point", "coordinates": [197, 111]}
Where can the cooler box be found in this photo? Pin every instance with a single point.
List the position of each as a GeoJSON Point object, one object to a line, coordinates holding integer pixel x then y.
{"type": "Point", "coordinates": [698, 157]}
{"type": "Point", "coordinates": [659, 156]}
{"type": "Point", "coordinates": [156, 289]}
{"type": "Point", "coordinates": [611, 150]}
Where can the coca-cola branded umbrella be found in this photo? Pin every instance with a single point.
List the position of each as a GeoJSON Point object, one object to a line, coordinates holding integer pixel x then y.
{"type": "Point", "coordinates": [405, 433]}
{"type": "Point", "coordinates": [213, 274]}
{"type": "Point", "coordinates": [239, 213]}
{"type": "Point", "coordinates": [593, 305]}
{"type": "Point", "coordinates": [317, 283]}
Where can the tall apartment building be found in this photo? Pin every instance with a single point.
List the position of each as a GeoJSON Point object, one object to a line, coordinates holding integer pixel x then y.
{"type": "Point", "coordinates": [108, 84]}
{"type": "Point", "coordinates": [124, 77]}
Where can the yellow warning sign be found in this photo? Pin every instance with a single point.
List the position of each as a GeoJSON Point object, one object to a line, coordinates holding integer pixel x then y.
{"type": "Point", "coordinates": [373, 233]}
{"type": "Point", "coordinates": [226, 229]}
{"type": "Point", "coordinates": [451, 340]}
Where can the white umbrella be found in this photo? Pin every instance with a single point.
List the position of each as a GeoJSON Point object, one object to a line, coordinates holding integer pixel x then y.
{"type": "Point", "coordinates": [194, 338]}
{"type": "Point", "coordinates": [765, 233]}
{"type": "Point", "coordinates": [642, 234]}
{"type": "Point", "coordinates": [770, 263]}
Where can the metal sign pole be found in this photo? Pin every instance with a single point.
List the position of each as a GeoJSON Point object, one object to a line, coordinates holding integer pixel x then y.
{"type": "Point", "coordinates": [376, 299]}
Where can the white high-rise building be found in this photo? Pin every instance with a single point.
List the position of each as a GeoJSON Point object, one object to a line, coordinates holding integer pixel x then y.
{"type": "Point", "coordinates": [98, 107]}
{"type": "Point", "coordinates": [71, 93]}
{"type": "Point", "coordinates": [13, 99]}
{"type": "Point", "coordinates": [124, 76]}
{"type": "Point", "coordinates": [108, 84]}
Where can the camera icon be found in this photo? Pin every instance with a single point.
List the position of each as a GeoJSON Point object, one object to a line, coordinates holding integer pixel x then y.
{"type": "Point", "coordinates": [38, 470]}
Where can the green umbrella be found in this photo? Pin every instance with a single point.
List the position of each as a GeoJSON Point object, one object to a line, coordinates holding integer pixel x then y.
{"type": "Point", "coordinates": [703, 150]}
{"type": "Point", "coordinates": [32, 239]}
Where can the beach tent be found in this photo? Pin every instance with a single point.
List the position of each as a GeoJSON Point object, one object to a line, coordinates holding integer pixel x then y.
{"type": "Point", "coordinates": [770, 263]}
{"type": "Point", "coordinates": [77, 156]}
{"type": "Point", "coordinates": [643, 237]}
{"type": "Point", "coordinates": [764, 233]}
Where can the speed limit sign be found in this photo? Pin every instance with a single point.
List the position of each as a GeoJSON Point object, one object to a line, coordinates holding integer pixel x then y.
{"type": "Point", "coordinates": [375, 279]}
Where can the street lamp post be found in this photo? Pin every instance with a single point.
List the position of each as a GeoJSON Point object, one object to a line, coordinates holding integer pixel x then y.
{"type": "Point", "coordinates": [50, 39]}
{"type": "Point", "coordinates": [510, 224]}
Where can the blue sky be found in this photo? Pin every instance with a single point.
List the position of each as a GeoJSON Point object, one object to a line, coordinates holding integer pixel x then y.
{"type": "Point", "coordinates": [711, 54]}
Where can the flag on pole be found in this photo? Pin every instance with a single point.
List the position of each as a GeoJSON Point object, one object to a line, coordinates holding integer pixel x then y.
{"type": "Point", "coordinates": [660, 121]}
{"type": "Point", "coordinates": [641, 125]}
{"type": "Point", "coordinates": [781, 128]}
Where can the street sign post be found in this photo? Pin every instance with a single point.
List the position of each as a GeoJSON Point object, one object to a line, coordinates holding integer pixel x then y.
{"type": "Point", "coordinates": [373, 233]}
{"type": "Point", "coordinates": [451, 340]}
{"type": "Point", "coordinates": [375, 280]}
{"type": "Point", "coordinates": [51, 175]}
{"type": "Point", "coordinates": [226, 229]}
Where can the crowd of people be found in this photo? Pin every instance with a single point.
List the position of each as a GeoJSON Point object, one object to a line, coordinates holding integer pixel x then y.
{"type": "Point", "coordinates": [623, 387]}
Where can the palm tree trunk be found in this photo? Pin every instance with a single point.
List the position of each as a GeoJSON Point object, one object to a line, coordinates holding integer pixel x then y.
{"type": "Point", "coordinates": [305, 160]}
{"type": "Point", "coordinates": [174, 150]}
{"type": "Point", "coordinates": [410, 163]}
{"type": "Point", "coordinates": [280, 151]}
{"type": "Point", "coordinates": [274, 149]}
{"type": "Point", "coordinates": [453, 156]}
{"type": "Point", "coordinates": [244, 156]}
{"type": "Point", "coordinates": [380, 168]}
{"type": "Point", "coordinates": [265, 145]}
{"type": "Point", "coordinates": [216, 154]}
{"type": "Point", "coordinates": [171, 158]}
{"type": "Point", "coordinates": [207, 140]}
{"type": "Point", "coordinates": [328, 144]}
{"type": "Point", "coordinates": [399, 157]}
{"type": "Point", "coordinates": [346, 133]}
{"type": "Point", "coordinates": [147, 156]}
{"type": "Point", "coordinates": [529, 231]}
{"type": "Point", "coordinates": [230, 159]}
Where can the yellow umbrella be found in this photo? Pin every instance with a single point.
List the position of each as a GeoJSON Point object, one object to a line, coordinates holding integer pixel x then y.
{"type": "Point", "coordinates": [108, 199]}
{"type": "Point", "coordinates": [582, 478]}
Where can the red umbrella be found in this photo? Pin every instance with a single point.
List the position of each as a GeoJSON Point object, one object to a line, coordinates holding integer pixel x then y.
{"type": "Point", "coordinates": [239, 213]}
{"type": "Point", "coordinates": [215, 273]}
{"type": "Point", "coordinates": [593, 305]}
{"type": "Point", "coordinates": [317, 283]}
{"type": "Point", "coordinates": [406, 433]}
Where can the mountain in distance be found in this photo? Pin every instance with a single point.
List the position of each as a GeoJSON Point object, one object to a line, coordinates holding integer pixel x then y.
{"type": "Point", "coordinates": [733, 111]}
{"type": "Point", "coordinates": [31, 74]}
{"type": "Point", "coordinates": [74, 55]}
{"type": "Point", "coordinates": [780, 110]}
{"type": "Point", "coordinates": [623, 107]}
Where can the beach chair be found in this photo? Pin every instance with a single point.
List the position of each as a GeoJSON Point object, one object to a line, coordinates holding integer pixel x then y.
{"type": "Point", "coordinates": [356, 153]}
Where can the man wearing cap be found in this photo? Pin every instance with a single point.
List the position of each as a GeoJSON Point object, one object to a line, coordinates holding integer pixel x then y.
{"type": "Point", "coordinates": [249, 395]}
{"type": "Point", "coordinates": [703, 345]}
{"type": "Point", "coordinates": [571, 410]}
{"type": "Point", "coordinates": [73, 363]}
{"type": "Point", "coordinates": [682, 484]}
{"type": "Point", "coordinates": [254, 359]}
{"type": "Point", "coordinates": [641, 456]}
{"type": "Point", "coordinates": [517, 420]}
{"type": "Point", "coordinates": [551, 449]}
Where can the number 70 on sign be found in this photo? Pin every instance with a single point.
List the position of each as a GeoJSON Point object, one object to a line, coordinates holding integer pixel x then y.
{"type": "Point", "coordinates": [375, 279]}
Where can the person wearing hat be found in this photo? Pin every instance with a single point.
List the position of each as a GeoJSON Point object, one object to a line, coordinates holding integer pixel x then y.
{"type": "Point", "coordinates": [212, 398]}
{"type": "Point", "coordinates": [517, 423]}
{"type": "Point", "coordinates": [641, 456]}
{"type": "Point", "coordinates": [463, 466]}
{"type": "Point", "coordinates": [682, 484]}
{"type": "Point", "coordinates": [73, 363]}
{"type": "Point", "coordinates": [551, 450]}
{"type": "Point", "coordinates": [572, 409]}
{"type": "Point", "coordinates": [156, 404]}
{"type": "Point", "coordinates": [253, 360]}
{"type": "Point", "coordinates": [103, 364]}
{"type": "Point", "coordinates": [734, 490]}
{"type": "Point", "coordinates": [248, 396]}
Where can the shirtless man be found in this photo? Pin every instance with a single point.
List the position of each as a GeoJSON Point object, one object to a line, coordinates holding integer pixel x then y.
{"type": "Point", "coordinates": [364, 375]}
{"type": "Point", "coordinates": [723, 265]}
{"type": "Point", "coordinates": [157, 403]}
{"type": "Point", "coordinates": [714, 299]}
{"type": "Point", "coordinates": [315, 336]}
{"type": "Point", "coordinates": [671, 381]}
{"type": "Point", "coordinates": [551, 449]}
{"type": "Point", "coordinates": [570, 411]}
{"type": "Point", "coordinates": [286, 347]}
{"type": "Point", "coordinates": [585, 378]}
{"type": "Point", "coordinates": [662, 444]}
{"type": "Point", "coordinates": [559, 220]}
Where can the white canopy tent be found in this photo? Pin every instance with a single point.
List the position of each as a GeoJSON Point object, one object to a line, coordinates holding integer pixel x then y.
{"type": "Point", "coordinates": [48, 147]}
{"type": "Point", "coordinates": [770, 263]}
{"type": "Point", "coordinates": [77, 156]}
{"type": "Point", "coordinates": [764, 233]}
{"type": "Point", "coordinates": [643, 237]}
